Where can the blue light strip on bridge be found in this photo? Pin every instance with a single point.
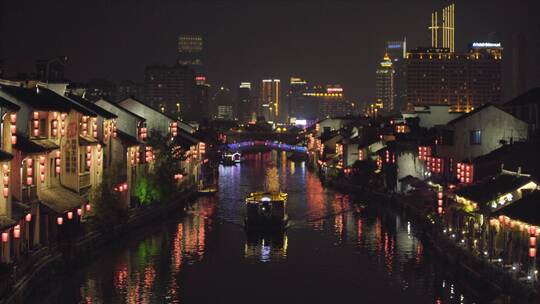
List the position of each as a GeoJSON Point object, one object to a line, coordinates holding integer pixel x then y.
{"type": "Point", "coordinates": [269, 144]}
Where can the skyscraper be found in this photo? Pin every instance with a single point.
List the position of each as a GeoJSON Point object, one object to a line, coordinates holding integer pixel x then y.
{"type": "Point", "coordinates": [397, 51]}
{"type": "Point", "coordinates": [223, 103]}
{"type": "Point", "coordinates": [463, 80]}
{"type": "Point", "coordinates": [446, 29]}
{"type": "Point", "coordinates": [245, 109]}
{"type": "Point", "coordinates": [271, 99]}
{"type": "Point", "coordinates": [300, 106]}
{"type": "Point", "coordinates": [384, 84]}
{"type": "Point", "coordinates": [169, 88]}
{"type": "Point", "coordinates": [190, 48]}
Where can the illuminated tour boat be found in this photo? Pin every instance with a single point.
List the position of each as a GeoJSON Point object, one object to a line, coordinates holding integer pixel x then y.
{"type": "Point", "coordinates": [266, 210]}
{"type": "Point", "coordinates": [231, 159]}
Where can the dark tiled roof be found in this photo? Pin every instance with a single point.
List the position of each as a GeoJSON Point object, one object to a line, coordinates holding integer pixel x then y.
{"type": "Point", "coordinates": [149, 107]}
{"type": "Point", "coordinates": [19, 210]}
{"type": "Point", "coordinates": [186, 140]}
{"type": "Point", "coordinates": [512, 156]}
{"type": "Point", "coordinates": [489, 189]}
{"type": "Point", "coordinates": [130, 140]}
{"type": "Point", "coordinates": [529, 97]}
{"type": "Point", "coordinates": [99, 110]}
{"type": "Point", "coordinates": [28, 146]}
{"type": "Point", "coordinates": [527, 209]}
{"type": "Point", "coordinates": [45, 100]}
{"type": "Point", "coordinates": [6, 222]}
{"type": "Point", "coordinates": [60, 199]}
{"type": "Point", "coordinates": [481, 108]}
{"type": "Point", "coordinates": [5, 156]}
{"type": "Point", "coordinates": [122, 109]}
{"type": "Point", "coordinates": [4, 103]}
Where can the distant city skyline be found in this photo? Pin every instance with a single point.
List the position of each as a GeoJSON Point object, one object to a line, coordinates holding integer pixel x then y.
{"type": "Point", "coordinates": [116, 41]}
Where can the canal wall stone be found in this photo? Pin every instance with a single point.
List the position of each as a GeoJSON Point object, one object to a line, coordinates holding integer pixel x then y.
{"type": "Point", "coordinates": [49, 262]}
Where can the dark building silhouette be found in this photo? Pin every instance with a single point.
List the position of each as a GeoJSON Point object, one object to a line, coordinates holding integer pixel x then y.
{"type": "Point", "coordinates": [128, 88]}
{"type": "Point", "coordinates": [51, 70]}
{"type": "Point", "coordinates": [244, 102]}
{"type": "Point", "coordinates": [223, 104]}
{"type": "Point", "coordinates": [169, 88]}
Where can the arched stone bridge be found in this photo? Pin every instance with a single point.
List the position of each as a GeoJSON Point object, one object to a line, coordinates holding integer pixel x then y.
{"type": "Point", "coordinates": [259, 145]}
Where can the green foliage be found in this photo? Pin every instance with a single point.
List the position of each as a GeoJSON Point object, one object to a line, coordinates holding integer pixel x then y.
{"type": "Point", "coordinates": [107, 207]}
{"type": "Point", "coordinates": [158, 184]}
{"type": "Point", "coordinates": [147, 190]}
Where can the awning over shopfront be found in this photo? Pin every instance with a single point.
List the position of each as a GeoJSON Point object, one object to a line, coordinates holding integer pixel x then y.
{"type": "Point", "coordinates": [87, 141]}
{"type": "Point", "coordinates": [28, 146]}
{"type": "Point", "coordinates": [19, 210]}
{"type": "Point", "coordinates": [6, 223]}
{"type": "Point", "coordinates": [61, 199]}
{"type": "Point", "coordinates": [48, 145]}
{"type": "Point", "coordinates": [4, 156]}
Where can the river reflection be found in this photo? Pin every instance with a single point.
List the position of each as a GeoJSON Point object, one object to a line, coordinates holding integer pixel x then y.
{"type": "Point", "coordinates": [333, 251]}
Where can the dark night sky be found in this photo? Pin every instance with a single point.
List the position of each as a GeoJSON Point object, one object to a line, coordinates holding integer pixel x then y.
{"type": "Point", "coordinates": [322, 41]}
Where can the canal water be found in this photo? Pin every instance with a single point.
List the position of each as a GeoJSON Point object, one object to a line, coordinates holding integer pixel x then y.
{"type": "Point", "coordinates": [333, 252]}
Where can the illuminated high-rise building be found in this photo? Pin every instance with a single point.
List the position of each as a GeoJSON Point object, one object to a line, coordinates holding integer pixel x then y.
{"type": "Point", "coordinates": [245, 107]}
{"type": "Point", "coordinates": [463, 80]}
{"type": "Point", "coordinates": [300, 106]}
{"type": "Point", "coordinates": [397, 51]}
{"type": "Point", "coordinates": [384, 84]}
{"type": "Point", "coordinates": [190, 48]}
{"type": "Point", "coordinates": [271, 100]}
{"type": "Point", "coordinates": [443, 33]}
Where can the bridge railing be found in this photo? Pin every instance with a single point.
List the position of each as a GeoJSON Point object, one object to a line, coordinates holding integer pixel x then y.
{"type": "Point", "coordinates": [270, 144]}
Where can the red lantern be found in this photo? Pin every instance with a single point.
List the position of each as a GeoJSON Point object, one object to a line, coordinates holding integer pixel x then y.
{"type": "Point", "coordinates": [70, 215]}
{"type": "Point", "coordinates": [28, 217]}
{"type": "Point", "coordinates": [88, 207]}
{"type": "Point", "coordinates": [59, 220]}
{"type": "Point", "coordinates": [5, 237]}
{"type": "Point", "coordinates": [79, 211]}
{"type": "Point", "coordinates": [532, 252]}
{"type": "Point", "coordinates": [17, 231]}
{"type": "Point", "coordinates": [532, 241]}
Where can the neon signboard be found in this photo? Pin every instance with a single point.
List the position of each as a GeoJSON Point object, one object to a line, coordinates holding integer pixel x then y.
{"type": "Point", "coordinates": [486, 45]}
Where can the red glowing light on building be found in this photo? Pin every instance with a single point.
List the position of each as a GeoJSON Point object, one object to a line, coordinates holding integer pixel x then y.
{"type": "Point", "coordinates": [29, 172]}
{"type": "Point", "coordinates": [5, 180]}
{"type": "Point", "coordinates": [42, 168]}
{"type": "Point", "coordinates": [13, 128]}
{"type": "Point", "coordinates": [424, 152]}
{"type": "Point", "coordinates": [464, 173]}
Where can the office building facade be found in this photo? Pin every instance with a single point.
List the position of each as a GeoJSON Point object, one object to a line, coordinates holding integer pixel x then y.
{"type": "Point", "coordinates": [462, 80]}
{"type": "Point", "coordinates": [384, 84]}
{"type": "Point", "coordinates": [271, 100]}
{"type": "Point", "coordinates": [170, 88]}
